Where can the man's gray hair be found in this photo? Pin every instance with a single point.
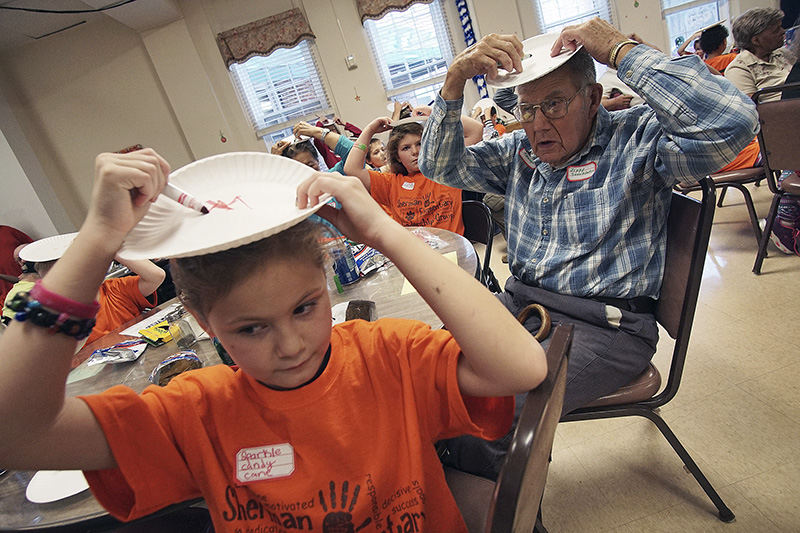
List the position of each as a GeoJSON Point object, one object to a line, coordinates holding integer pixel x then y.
{"type": "Point", "coordinates": [752, 22]}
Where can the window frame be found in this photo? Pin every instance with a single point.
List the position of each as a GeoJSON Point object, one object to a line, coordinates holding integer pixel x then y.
{"type": "Point", "coordinates": [248, 105]}
{"type": "Point", "coordinates": [444, 39]}
{"type": "Point", "coordinates": [556, 26]}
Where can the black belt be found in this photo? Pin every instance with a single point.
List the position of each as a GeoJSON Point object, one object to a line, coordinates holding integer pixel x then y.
{"type": "Point", "coordinates": [640, 304]}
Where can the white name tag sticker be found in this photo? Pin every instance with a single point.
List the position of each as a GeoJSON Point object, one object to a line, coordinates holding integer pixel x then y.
{"type": "Point", "coordinates": [408, 185]}
{"type": "Point", "coordinates": [527, 158]}
{"type": "Point", "coordinates": [264, 462]}
{"type": "Point", "coordinates": [582, 172]}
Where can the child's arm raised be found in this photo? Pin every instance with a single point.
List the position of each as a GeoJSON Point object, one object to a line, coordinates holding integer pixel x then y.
{"type": "Point", "coordinates": [151, 276]}
{"type": "Point", "coordinates": [40, 427]}
{"type": "Point", "coordinates": [500, 356]}
{"type": "Point", "coordinates": [354, 166]}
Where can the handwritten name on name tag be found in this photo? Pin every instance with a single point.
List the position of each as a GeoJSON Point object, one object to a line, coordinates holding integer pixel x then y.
{"type": "Point", "coordinates": [264, 462]}
{"type": "Point", "coordinates": [582, 172]}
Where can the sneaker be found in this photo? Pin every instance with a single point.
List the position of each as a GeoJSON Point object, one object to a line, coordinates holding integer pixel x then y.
{"type": "Point", "coordinates": [785, 239]}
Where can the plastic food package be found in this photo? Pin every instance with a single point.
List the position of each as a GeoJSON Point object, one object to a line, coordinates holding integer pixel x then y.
{"type": "Point", "coordinates": [173, 365]}
{"type": "Point", "coordinates": [122, 352]}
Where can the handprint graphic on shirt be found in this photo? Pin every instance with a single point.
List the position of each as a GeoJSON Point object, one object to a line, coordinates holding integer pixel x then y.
{"type": "Point", "coordinates": [340, 521]}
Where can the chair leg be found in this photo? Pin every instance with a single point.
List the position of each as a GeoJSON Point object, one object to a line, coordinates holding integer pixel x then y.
{"type": "Point", "coordinates": [751, 210]}
{"type": "Point", "coordinates": [725, 514]}
{"type": "Point", "coordinates": [762, 245]}
{"type": "Point", "coordinates": [722, 192]}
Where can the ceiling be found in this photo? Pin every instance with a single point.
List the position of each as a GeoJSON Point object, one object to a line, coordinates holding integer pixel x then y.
{"type": "Point", "coordinates": [21, 27]}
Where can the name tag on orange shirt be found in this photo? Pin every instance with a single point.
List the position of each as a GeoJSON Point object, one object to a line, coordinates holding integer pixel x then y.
{"type": "Point", "coordinates": [408, 185]}
{"type": "Point", "coordinates": [264, 462]}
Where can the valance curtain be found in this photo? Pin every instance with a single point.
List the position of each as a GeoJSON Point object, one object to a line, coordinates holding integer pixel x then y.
{"type": "Point", "coordinates": [375, 9]}
{"type": "Point", "coordinates": [261, 37]}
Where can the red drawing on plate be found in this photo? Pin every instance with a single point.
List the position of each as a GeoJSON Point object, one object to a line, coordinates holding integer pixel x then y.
{"type": "Point", "coordinates": [213, 204]}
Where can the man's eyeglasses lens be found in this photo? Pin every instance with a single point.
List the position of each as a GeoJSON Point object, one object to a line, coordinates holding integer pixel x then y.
{"type": "Point", "coordinates": [552, 109]}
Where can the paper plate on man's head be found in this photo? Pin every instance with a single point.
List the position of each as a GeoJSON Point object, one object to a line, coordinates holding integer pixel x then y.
{"type": "Point", "coordinates": [47, 249]}
{"type": "Point", "coordinates": [536, 62]}
{"type": "Point", "coordinates": [250, 196]}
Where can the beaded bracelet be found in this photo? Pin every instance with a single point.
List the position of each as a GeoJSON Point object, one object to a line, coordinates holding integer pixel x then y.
{"type": "Point", "coordinates": [25, 307]}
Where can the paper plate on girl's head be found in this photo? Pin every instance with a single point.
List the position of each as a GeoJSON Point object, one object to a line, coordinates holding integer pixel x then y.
{"type": "Point", "coordinates": [47, 249]}
{"type": "Point", "coordinates": [536, 63]}
{"type": "Point", "coordinates": [52, 485]}
{"type": "Point", "coordinates": [251, 195]}
{"type": "Point", "coordinates": [419, 119]}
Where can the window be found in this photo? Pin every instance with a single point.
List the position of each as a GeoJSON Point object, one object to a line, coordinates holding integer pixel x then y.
{"type": "Point", "coordinates": [555, 14]}
{"type": "Point", "coordinates": [684, 17]}
{"type": "Point", "coordinates": [281, 89]}
{"type": "Point", "coordinates": [412, 49]}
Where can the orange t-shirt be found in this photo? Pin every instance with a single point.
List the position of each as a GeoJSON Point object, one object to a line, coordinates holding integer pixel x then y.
{"type": "Point", "coordinates": [746, 158]}
{"type": "Point", "coordinates": [120, 300]}
{"type": "Point", "coordinates": [721, 62]}
{"type": "Point", "coordinates": [353, 448]}
{"type": "Point", "coordinates": [417, 201]}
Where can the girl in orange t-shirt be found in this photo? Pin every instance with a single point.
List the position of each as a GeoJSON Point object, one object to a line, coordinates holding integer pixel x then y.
{"type": "Point", "coordinates": [313, 416]}
{"type": "Point", "coordinates": [410, 198]}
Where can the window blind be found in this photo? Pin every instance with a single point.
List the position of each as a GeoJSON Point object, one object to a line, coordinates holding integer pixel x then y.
{"type": "Point", "coordinates": [283, 87]}
{"type": "Point", "coordinates": [555, 14]}
{"type": "Point", "coordinates": [411, 46]}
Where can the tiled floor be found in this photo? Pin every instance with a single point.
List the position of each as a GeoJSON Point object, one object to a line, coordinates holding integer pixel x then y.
{"type": "Point", "coordinates": [737, 412]}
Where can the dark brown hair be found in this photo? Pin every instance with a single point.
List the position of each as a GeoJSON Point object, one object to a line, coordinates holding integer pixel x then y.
{"type": "Point", "coordinates": [411, 128]}
{"type": "Point", "coordinates": [304, 146]}
{"type": "Point", "coordinates": [203, 279]}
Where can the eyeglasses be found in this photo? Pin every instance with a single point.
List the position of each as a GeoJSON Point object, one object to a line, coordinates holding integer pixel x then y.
{"type": "Point", "coordinates": [552, 109]}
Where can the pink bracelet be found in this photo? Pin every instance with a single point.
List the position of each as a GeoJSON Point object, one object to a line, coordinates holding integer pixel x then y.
{"type": "Point", "coordinates": [63, 305]}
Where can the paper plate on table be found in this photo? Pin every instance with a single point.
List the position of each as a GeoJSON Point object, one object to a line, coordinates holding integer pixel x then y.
{"type": "Point", "coordinates": [47, 249]}
{"type": "Point", "coordinates": [251, 195]}
{"type": "Point", "coordinates": [52, 485]}
{"type": "Point", "coordinates": [536, 63]}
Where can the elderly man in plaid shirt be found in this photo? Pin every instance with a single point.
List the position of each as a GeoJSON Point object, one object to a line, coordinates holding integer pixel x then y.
{"type": "Point", "coordinates": [587, 192]}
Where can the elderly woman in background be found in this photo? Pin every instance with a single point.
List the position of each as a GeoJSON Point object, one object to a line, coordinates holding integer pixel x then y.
{"type": "Point", "coordinates": [763, 61]}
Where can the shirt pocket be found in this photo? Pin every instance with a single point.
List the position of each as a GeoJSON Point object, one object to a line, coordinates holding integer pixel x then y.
{"type": "Point", "coordinates": [584, 218]}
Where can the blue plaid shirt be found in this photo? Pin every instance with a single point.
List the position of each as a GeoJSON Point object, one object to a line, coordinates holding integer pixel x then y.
{"type": "Point", "coordinates": [596, 226]}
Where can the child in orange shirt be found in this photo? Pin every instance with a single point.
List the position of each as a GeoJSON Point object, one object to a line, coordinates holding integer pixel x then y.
{"type": "Point", "coordinates": [318, 427]}
{"type": "Point", "coordinates": [411, 198]}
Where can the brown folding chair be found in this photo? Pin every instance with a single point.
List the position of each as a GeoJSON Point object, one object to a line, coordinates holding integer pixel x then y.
{"type": "Point", "coordinates": [688, 231]}
{"type": "Point", "coordinates": [512, 503]}
{"type": "Point", "coordinates": [779, 120]}
{"type": "Point", "coordinates": [736, 179]}
{"type": "Point", "coordinates": [479, 227]}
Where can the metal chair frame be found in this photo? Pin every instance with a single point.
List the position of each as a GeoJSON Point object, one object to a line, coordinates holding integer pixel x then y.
{"type": "Point", "coordinates": [479, 227]}
{"type": "Point", "coordinates": [689, 228]}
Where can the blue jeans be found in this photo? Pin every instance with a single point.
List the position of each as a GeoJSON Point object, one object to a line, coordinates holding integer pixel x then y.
{"type": "Point", "coordinates": [604, 357]}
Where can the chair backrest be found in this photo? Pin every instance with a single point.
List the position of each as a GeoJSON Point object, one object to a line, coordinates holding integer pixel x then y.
{"type": "Point", "coordinates": [479, 227]}
{"type": "Point", "coordinates": [688, 230]}
{"type": "Point", "coordinates": [779, 119]}
{"type": "Point", "coordinates": [519, 489]}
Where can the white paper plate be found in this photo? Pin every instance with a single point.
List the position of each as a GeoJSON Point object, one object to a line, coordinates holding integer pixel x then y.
{"type": "Point", "coordinates": [419, 119]}
{"type": "Point", "coordinates": [48, 249]}
{"type": "Point", "coordinates": [536, 64]}
{"type": "Point", "coordinates": [704, 28]}
{"type": "Point", "coordinates": [258, 188]}
{"type": "Point", "coordinates": [51, 485]}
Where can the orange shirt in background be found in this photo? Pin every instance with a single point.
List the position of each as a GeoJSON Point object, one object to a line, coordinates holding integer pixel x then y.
{"type": "Point", "coordinates": [746, 158]}
{"type": "Point", "coordinates": [120, 300]}
{"type": "Point", "coordinates": [417, 201]}
{"type": "Point", "coordinates": [721, 62]}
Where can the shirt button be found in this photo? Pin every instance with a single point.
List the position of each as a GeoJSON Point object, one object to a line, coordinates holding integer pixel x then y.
{"type": "Point", "coordinates": [534, 260]}
{"type": "Point", "coordinates": [628, 74]}
{"type": "Point", "coordinates": [545, 200]}
{"type": "Point", "coordinates": [544, 232]}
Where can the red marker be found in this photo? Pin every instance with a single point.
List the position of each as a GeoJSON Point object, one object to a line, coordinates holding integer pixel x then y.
{"type": "Point", "coordinates": [184, 198]}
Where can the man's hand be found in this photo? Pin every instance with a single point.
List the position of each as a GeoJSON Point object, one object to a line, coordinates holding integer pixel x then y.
{"type": "Point", "coordinates": [484, 57]}
{"type": "Point", "coordinates": [597, 36]}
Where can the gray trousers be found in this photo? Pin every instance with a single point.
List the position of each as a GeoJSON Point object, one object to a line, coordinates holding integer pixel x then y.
{"type": "Point", "coordinates": [610, 347]}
